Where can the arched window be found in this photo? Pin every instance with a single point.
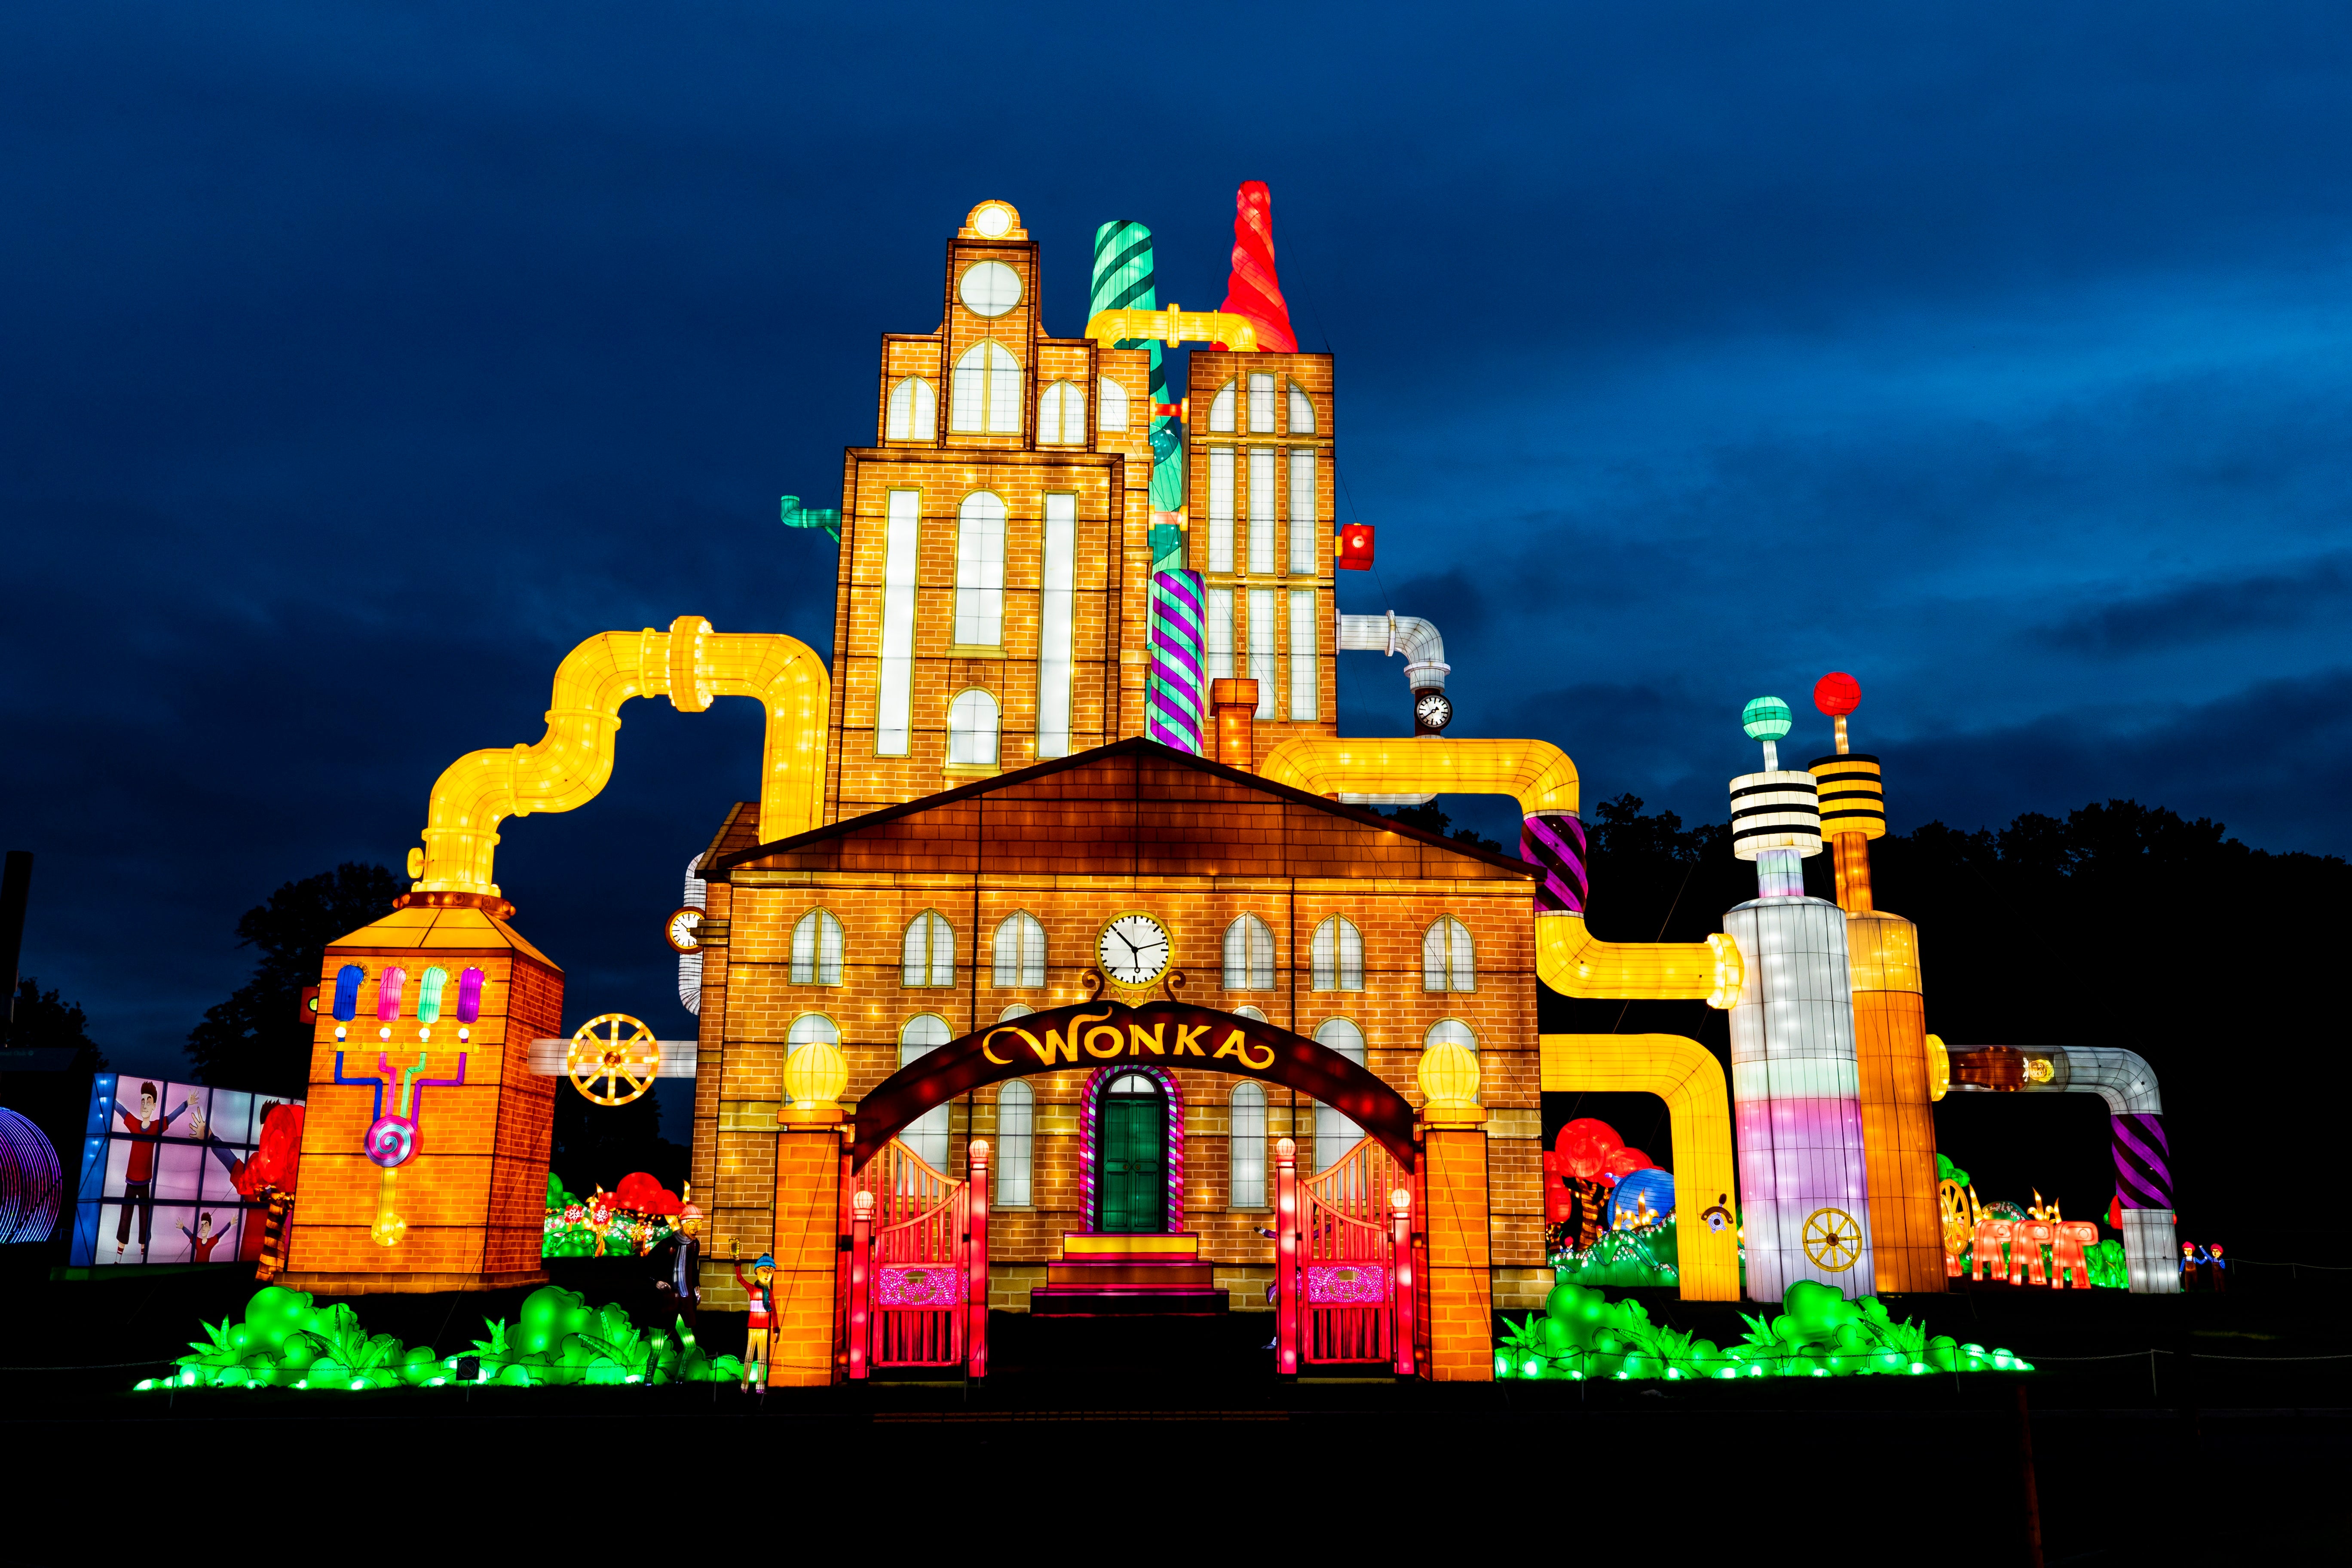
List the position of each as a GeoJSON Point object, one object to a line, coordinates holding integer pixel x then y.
{"type": "Point", "coordinates": [972, 729]}
{"type": "Point", "coordinates": [470, 996]}
{"type": "Point", "coordinates": [930, 955]}
{"type": "Point", "coordinates": [1262, 403]}
{"type": "Point", "coordinates": [1111, 408]}
{"type": "Point", "coordinates": [1018, 1010]}
{"type": "Point", "coordinates": [1020, 951]}
{"type": "Point", "coordinates": [809, 1028]}
{"type": "Point", "coordinates": [927, 1136]}
{"type": "Point", "coordinates": [428, 994]}
{"type": "Point", "coordinates": [987, 395]}
{"type": "Point", "coordinates": [1334, 1133]}
{"type": "Point", "coordinates": [1221, 408]}
{"type": "Point", "coordinates": [1245, 1147]}
{"type": "Point", "coordinates": [387, 994]}
{"type": "Point", "coordinates": [1249, 955]}
{"type": "Point", "coordinates": [1250, 1013]}
{"type": "Point", "coordinates": [1450, 1032]}
{"type": "Point", "coordinates": [980, 571]}
{"type": "Point", "coordinates": [1062, 414]}
{"type": "Point", "coordinates": [914, 411]}
{"type": "Point", "coordinates": [1302, 411]}
{"type": "Point", "coordinates": [1016, 1121]}
{"type": "Point", "coordinates": [346, 991]}
{"type": "Point", "coordinates": [1339, 955]}
{"type": "Point", "coordinates": [816, 950]}
{"type": "Point", "coordinates": [1447, 960]}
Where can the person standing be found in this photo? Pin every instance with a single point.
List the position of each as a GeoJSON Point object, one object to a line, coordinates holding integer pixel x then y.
{"type": "Point", "coordinates": [683, 1286]}
{"type": "Point", "coordinates": [147, 1132]}
{"type": "Point", "coordinates": [761, 1289]}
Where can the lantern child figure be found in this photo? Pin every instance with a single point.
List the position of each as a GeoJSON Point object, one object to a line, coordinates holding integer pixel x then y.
{"type": "Point", "coordinates": [147, 1132]}
{"type": "Point", "coordinates": [2220, 1271]}
{"type": "Point", "coordinates": [760, 1288]}
{"type": "Point", "coordinates": [682, 1288]}
{"type": "Point", "coordinates": [201, 1240]}
{"type": "Point", "coordinates": [2188, 1266]}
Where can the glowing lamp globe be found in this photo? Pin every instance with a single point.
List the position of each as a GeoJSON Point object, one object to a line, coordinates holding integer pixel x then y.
{"type": "Point", "coordinates": [1837, 694]}
{"type": "Point", "coordinates": [1766, 719]}
{"type": "Point", "coordinates": [815, 1074]}
{"type": "Point", "coordinates": [1449, 1077]}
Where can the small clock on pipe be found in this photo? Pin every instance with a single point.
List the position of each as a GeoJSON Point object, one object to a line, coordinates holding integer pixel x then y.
{"type": "Point", "coordinates": [683, 930]}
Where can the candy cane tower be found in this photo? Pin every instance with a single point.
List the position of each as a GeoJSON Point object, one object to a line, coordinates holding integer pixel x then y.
{"type": "Point", "coordinates": [1795, 1085]}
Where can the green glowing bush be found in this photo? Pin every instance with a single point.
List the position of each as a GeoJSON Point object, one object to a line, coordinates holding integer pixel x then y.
{"type": "Point", "coordinates": [1650, 1256]}
{"type": "Point", "coordinates": [1818, 1333]}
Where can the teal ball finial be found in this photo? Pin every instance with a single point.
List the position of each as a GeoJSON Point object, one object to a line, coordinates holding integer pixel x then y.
{"type": "Point", "coordinates": [1766, 719]}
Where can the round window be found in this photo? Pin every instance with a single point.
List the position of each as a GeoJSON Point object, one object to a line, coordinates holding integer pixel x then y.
{"type": "Point", "coordinates": [990, 288]}
{"type": "Point", "coordinates": [993, 220]}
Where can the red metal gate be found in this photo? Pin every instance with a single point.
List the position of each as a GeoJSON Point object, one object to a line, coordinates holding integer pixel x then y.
{"type": "Point", "coordinates": [1344, 1272]}
{"type": "Point", "coordinates": [919, 1265]}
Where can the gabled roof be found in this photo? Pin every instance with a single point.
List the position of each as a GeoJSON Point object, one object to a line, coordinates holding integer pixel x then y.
{"type": "Point", "coordinates": [423, 927]}
{"type": "Point", "coordinates": [1134, 806]}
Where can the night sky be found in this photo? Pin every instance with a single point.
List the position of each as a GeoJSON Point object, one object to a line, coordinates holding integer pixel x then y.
{"type": "Point", "coordinates": [359, 360]}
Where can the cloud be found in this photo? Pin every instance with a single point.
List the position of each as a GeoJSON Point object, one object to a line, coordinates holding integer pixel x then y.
{"type": "Point", "coordinates": [2204, 612]}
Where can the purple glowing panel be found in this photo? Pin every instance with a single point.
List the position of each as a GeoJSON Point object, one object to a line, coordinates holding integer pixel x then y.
{"type": "Point", "coordinates": [2142, 1178]}
{"type": "Point", "coordinates": [1555, 842]}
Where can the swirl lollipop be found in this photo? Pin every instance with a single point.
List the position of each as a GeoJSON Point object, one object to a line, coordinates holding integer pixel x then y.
{"type": "Point", "coordinates": [391, 1141]}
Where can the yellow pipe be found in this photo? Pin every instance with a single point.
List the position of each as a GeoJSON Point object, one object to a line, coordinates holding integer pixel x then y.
{"type": "Point", "coordinates": [1174, 326]}
{"type": "Point", "coordinates": [1541, 778]}
{"type": "Point", "coordinates": [690, 664]}
{"type": "Point", "coordinates": [1686, 1075]}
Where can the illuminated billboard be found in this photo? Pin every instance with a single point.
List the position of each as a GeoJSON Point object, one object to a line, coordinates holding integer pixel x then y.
{"type": "Point", "coordinates": [181, 1172]}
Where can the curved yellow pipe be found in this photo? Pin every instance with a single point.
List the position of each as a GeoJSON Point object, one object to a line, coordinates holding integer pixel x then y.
{"type": "Point", "coordinates": [1173, 326]}
{"type": "Point", "coordinates": [1539, 776]}
{"type": "Point", "coordinates": [1686, 1075]}
{"type": "Point", "coordinates": [690, 664]}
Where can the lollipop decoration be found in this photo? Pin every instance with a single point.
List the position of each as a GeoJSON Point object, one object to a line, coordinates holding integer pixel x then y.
{"type": "Point", "coordinates": [391, 1138]}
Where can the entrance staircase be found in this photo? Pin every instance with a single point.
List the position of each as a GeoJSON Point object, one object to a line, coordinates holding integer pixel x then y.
{"type": "Point", "coordinates": [1103, 1275]}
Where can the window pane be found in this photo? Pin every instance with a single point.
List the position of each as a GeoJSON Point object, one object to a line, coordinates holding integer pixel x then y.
{"type": "Point", "coordinates": [972, 729]}
{"type": "Point", "coordinates": [1032, 952]}
{"type": "Point", "coordinates": [1334, 1133]}
{"type": "Point", "coordinates": [943, 953]}
{"type": "Point", "coordinates": [1302, 412]}
{"type": "Point", "coordinates": [1464, 976]}
{"type": "Point", "coordinates": [1351, 957]}
{"type": "Point", "coordinates": [1218, 630]}
{"type": "Point", "coordinates": [1015, 1122]}
{"type": "Point", "coordinates": [1432, 958]}
{"type": "Point", "coordinates": [1451, 1031]}
{"type": "Point", "coordinates": [1326, 969]}
{"type": "Point", "coordinates": [1055, 646]}
{"type": "Point", "coordinates": [914, 962]}
{"type": "Point", "coordinates": [1246, 1144]}
{"type": "Point", "coordinates": [804, 949]}
{"type": "Point", "coordinates": [1262, 403]}
{"type": "Point", "coordinates": [1113, 396]}
{"type": "Point", "coordinates": [980, 571]}
{"type": "Point", "coordinates": [927, 1136]}
{"type": "Point", "coordinates": [1221, 508]}
{"type": "Point", "coordinates": [1307, 548]}
{"type": "Point", "coordinates": [898, 673]}
{"type": "Point", "coordinates": [1260, 510]}
{"type": "Point", "coordinates": [1261, 943]}
{"type": "Point", "coordinates": [902, 411]}
{"type": "Point", "coordinates": [1221, 411]}
{"type": "Point", "coordinates": [828, 964]}
{"type": "Point", "coordinates": [1305, 668]}
{"type": "Point", "coordinates": [1262, 663]}
{"type": "Point", "coordinates": [1049, 413]}
{"type": "Point", "coordinates": [1003, 392]}
{"type": "Point", "coordinates": [968, 397]}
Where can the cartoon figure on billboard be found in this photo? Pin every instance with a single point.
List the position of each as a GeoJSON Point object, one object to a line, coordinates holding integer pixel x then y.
{"type": "Point", "coordinates": [201, 1240]}
{"type": "Point", "coordinates": [147, 1131]}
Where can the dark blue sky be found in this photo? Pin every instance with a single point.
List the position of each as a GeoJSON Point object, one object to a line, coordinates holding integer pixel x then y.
{"type": "Point", "coordinates": [359, 360]}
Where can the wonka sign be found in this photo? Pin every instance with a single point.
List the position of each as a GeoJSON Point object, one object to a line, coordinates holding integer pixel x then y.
{"type": "Point", "coordinates": [1164, 1034]}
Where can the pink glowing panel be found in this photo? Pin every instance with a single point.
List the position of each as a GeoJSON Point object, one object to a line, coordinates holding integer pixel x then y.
{"type": "Point", "coordinates": [470, 996]}
{"type": "Point", "coordinates": [918, 1285]}
{"type": "Point", "coordinates": [387, 994]}
{"type": "Point", "coordinates": [1347, 1284]}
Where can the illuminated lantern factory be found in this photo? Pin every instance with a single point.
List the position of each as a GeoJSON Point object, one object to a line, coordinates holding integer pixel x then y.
{"type": "Point", "coordinates": [1060, 966]}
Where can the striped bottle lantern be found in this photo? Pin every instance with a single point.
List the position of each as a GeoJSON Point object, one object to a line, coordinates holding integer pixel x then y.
{"type": "Point", "coordinates": [1123, 281]}
{"type": "Point", "coordinates": [1171, 700]}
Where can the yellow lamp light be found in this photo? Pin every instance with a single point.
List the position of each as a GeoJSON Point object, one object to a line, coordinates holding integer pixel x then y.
{"type": "Point", "coordinates": [1449, 1081]}
{"type": "Point", "coordinates": [1939, 1068]}
{"type": "Point", "coordinates": [815, 1075]}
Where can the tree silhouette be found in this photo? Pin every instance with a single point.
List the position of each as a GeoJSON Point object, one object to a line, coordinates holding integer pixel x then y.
{"type": "Point", "coordinates": [259, 1039]}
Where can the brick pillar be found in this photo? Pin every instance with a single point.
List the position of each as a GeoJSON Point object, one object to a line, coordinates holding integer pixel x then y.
{"type": "Point", "coordinates": [807, 1249]}
{"type": "Point", "coordinates": [1461, 1279]}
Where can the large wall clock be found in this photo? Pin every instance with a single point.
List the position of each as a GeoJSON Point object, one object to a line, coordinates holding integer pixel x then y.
{"type": "Point", "coordinates": [1133, 950]}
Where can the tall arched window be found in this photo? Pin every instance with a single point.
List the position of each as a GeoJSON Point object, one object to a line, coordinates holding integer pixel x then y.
{"type": "Point", "coordinates": [927, 1136]}
{"type": "Point", "coordinates": [929, 958]}
{"type": "Point", "coordinates": [1245, 1147]}
{"type": "Point", "coordinates": [1221, 408]}
{"type": "Point", "coordinates": [1020, 951]}
{"type": "Point", "coordinates": [1450, 1031]}
{"type": "Point", "coordinates": [914, 411]}
{"type": "Point", "coordinates": [1339, 955]}
{"type": "Point", "coordinates": [1016, 1121]}
{"type": "Point", "coordinates": [1249, 955]}
{"type": "Point", "coordinates": [816, 950]}
{"type": "Point", "coordinates": [1062, 414]}
{"type": "Point", "coordinates": [1334, 1133]}
{"type": "Point", "coordinates": [1262, 403]}
{"type": "Point", "coordinates": [972, 729]}
{"type": "Point", "coordinates": [1110, 408]}
{"type": "Point", "coordinates": [987, 394]}
{"type": "Point", "coordinates": [980, 571]}
{"type": "Point", "coordinates": [807, 1029]}
{"type": "Point", "coordinates": [1302, 411]}
{"type": "Point", "coordinates": [428, 994]}
{"type": "Point", "coordinates": [1447, 960]}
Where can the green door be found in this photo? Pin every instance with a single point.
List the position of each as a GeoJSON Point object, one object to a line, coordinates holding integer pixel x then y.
{"type": "Point", "coordinates": [1134, 1162]}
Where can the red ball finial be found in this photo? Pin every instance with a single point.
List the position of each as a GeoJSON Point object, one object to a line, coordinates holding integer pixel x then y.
{"type": "Point", "coordinates": [1837, 694]}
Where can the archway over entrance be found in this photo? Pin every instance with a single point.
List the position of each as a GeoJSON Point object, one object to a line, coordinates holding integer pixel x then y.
{"type": "Point", "coordinates": [1158, 1033]}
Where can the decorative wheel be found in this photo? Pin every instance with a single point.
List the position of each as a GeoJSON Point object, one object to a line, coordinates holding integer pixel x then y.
{"type": "Point", "coordinates": [616, 1051]}
{"type": "Point", "coordinates": [1833, 1240]}
{"type": "Point", "coordinates": [1959, 1216]}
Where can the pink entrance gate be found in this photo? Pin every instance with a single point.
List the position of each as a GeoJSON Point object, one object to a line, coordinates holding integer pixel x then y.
{"type": "Point", "coordinates": [918, 1265]}
{"type": "Point", "coordinates": [1343, 1266]}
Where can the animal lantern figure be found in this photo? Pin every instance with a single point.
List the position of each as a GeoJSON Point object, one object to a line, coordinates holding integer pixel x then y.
{"type": "Point", "coordinates": [2069, 1254]}
{"type": "Point", "coordinates": [1989, 1259]}
{"type": "Point", "coordinates": [2027, 1238]}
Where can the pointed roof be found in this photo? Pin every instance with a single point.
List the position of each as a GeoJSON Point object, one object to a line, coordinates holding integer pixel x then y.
{"type": "Point", "coordinates": [424, 928]}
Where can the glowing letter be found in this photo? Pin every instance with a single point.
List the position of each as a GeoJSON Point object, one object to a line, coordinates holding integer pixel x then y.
{"type": "Point", "coordinates": [1138, 1041]}
{"type": "Point", "coordinates": [1118, 1040]}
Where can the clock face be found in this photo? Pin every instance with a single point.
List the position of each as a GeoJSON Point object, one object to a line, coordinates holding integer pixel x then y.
{"type": "Point", "coordinates": [1134, 950]}
{"type": "Point", "coordinates": [684, 929]}
{"type": "Point", "coordinates": [1433, 711]}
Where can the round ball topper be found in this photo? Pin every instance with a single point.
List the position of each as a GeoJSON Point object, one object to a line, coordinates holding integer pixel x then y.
{"type": "Point", "coordinates": [616, 1051]}
{"type": "Point", "coordinates": [1838, 694]}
